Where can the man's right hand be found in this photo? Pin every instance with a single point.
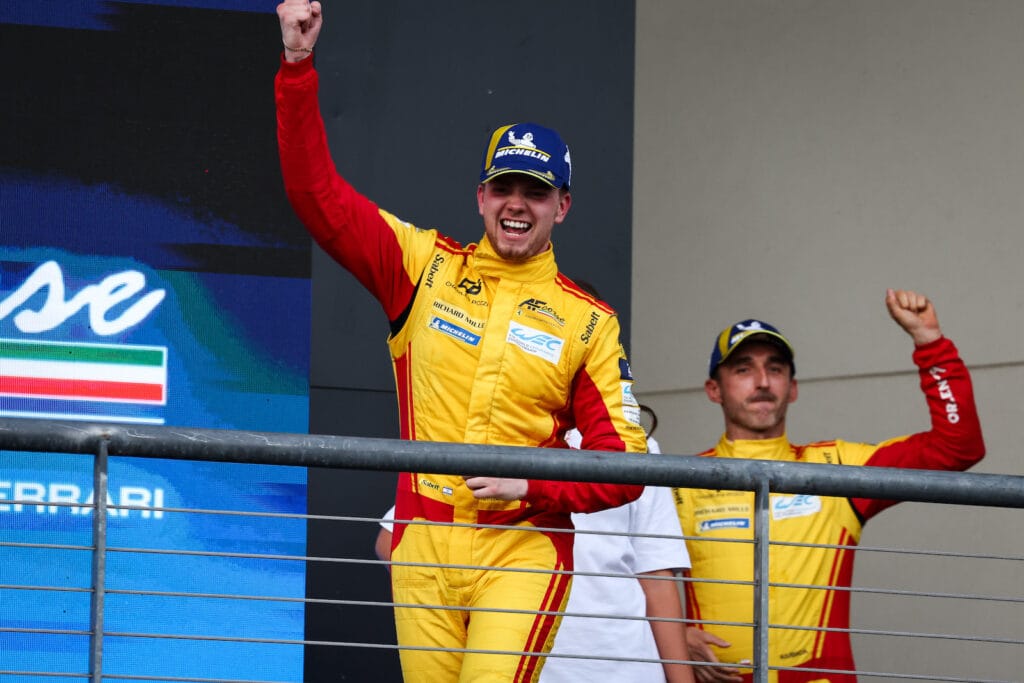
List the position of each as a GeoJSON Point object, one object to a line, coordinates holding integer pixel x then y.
{"type": "Point", "coordinates": [915, 314]}
{"type": "Point", "coordinates": [301, 21]}
{"type": "Point", "coordinates": [699, 643]}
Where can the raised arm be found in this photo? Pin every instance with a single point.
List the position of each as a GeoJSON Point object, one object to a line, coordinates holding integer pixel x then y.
{"type": "Point", "coordinates": [955, 440]}
{"type": "Point", "coordinates": [371, 244]}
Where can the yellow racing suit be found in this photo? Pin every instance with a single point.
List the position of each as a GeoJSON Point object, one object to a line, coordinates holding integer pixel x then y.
{"type": "Point", "coordinates": [953, 443]}
{"type": "Point", "coordinates": [484, 351]}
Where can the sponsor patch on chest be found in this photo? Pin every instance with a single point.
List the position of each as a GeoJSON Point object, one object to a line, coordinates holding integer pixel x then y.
{"type": "Point", "coordinates": [454, 331]}
{"type": "Point", "coordinates": [458, 314]}
{"type": "Point", "coordinates": [788, 507]}
{"type": "Point", "coordinates": [709, 525]}
{"type": "Point", "coordinates": [535, 342]}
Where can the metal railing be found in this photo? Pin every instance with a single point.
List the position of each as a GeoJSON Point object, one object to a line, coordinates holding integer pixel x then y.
{"type": "Point", "coordinates": [762, 477]}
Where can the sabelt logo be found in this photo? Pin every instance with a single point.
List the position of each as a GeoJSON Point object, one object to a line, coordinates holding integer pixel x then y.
{"type": "Point", "coordinates": [434, 486]}
{"type": "Point", "coordinates": [591, 326]}
{"type": "Point", "coordinates": [434, 267]}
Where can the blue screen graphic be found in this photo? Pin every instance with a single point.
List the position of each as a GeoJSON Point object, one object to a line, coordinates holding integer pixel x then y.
{"type": "Point", "coordinates": [148, 276]}
{"type": "Point", "coordinates": [107, 338]}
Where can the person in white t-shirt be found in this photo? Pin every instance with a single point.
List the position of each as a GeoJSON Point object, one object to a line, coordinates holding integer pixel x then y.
{"type": "Point", "coordinates": [641, 539]}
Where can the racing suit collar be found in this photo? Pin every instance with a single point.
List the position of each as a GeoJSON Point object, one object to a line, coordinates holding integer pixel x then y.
{"type": "Point", "coordinates": [539, 268]}
{"type": "Point", "coordinates": [778, 448]}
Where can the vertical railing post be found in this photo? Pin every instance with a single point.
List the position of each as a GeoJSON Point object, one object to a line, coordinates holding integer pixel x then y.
{"type": "Point", "coordinates": [99, 563]}
{"type": "Point", "coordinates": [761, 580]}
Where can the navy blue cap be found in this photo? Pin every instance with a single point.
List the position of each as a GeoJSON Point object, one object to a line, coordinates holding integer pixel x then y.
{"type": "Point", "coordinates": [531, 149]}
{"type": "Point", "coordinates": [747, 330]}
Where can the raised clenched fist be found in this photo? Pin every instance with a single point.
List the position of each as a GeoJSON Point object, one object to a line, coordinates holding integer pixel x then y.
{"type": "Point", "coordinates": [915, 314]}
{"type": "Point", "coordinates": [301, 21]}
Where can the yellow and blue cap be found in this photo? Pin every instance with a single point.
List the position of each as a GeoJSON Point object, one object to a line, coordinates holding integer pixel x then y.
{"type": "Point", "coordinates": [531, 149]}
{"type": "Point", "coordinates": [731, 338]}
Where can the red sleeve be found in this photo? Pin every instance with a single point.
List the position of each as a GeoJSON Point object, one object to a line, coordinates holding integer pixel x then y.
{"type": "Point", "coordinates": [343, 222]}
{"type": "Point", "coordinates": [954, 442]}
{"type": "Point", "coordinates": [601, 398]}
{"type": "Point", "coordinates": [575, 496]}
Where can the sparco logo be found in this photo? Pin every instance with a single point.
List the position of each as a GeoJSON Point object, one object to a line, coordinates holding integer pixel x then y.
{"type": "Point", "coordinates": [469, 287]}
{"type": "Point", "coordinates": [589, 331]}
{"type": "Point", "coordinates": [434, 267]}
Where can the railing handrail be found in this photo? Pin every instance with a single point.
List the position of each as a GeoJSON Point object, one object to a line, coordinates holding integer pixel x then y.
{"type": "Point", "coordinates": [363, 453]}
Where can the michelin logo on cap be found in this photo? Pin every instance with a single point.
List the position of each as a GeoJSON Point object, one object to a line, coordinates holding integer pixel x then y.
{"type": "Point", "coordinates": [530, 149]}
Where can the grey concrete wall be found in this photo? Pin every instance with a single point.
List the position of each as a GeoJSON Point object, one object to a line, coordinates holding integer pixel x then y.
{"type": "Point", "coordinates": [793, 158]}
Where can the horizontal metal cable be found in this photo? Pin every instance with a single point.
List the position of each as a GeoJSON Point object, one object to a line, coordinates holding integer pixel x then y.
{"type": "Point", "coordinates": [909, 677]}
{"type": "Point", "coordinates": [907, 634]}
{"type": "Point", "coordinates": [49, 674]}
{"type": "Point", "coordinates": [897, 551]}
{"type": "Point", "coordinates": [46, 546]}
{"type": "Point", "coordinates": [67, 589]}
{"type": "Point", "coordinates": [51, 631]}
{"type": "Point", "coordinates": [904, 592]}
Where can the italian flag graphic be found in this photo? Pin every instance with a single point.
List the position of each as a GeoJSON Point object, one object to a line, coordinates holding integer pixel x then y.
{"type": "Point", "coordinates": [79, 380]}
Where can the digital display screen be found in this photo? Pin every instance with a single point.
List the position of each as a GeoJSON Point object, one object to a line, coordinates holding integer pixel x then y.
{"type": "Point", "coordinates": [149, 275]}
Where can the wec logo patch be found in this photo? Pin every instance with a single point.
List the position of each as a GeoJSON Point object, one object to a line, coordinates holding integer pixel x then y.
{"type": "Point", "coordinates": [535, 342]}
{"type": "Point", "coordinates": [788, 507]}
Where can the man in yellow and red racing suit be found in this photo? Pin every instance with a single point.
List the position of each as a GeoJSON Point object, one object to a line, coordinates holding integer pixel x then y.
{"type": "Point", "coordinates": [490, 344]}
{"type": "Point", "coordinates": [751, 377]}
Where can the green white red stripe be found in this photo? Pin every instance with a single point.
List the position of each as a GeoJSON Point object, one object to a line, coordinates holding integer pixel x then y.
{"type": "Point", "coordinates": [116, 373]}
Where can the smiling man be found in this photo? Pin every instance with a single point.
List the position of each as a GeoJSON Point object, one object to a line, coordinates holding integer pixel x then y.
{"type": "Point", "coordinates": [490, 345]}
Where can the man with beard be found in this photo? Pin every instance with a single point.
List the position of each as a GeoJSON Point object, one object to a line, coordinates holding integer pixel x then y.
{"type": "Point", "coordinates": [751, 376]}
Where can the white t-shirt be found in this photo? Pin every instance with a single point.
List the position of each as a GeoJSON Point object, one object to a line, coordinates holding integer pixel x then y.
{"type": "Point", "coordinates": [652, 513]}
{"type": "Point", "coordinates": [620, 595]}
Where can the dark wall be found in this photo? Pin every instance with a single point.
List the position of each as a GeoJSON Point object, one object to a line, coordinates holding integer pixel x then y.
{"type": "Point", "coordinates": [410, 92]}
{"type": "Point", "coordinates": [155, 102]}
